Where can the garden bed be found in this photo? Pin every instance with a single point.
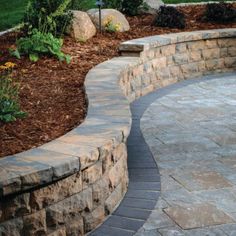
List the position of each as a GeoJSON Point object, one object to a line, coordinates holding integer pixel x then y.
{"type": "Point", "coordinates": [52, 92]}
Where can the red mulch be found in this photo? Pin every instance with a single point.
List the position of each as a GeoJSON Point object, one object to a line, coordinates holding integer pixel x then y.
{"type": "Point", "coordinates": [52, 92]}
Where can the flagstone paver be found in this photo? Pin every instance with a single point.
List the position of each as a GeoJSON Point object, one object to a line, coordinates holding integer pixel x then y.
{"type": "Point", "coordinates": [192, 136]}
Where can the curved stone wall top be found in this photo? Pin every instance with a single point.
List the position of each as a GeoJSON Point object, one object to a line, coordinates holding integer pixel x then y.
{"type": "Point", "coordinates": [143, 44]}
{"type": "Point", "coordinates": [107, 123]}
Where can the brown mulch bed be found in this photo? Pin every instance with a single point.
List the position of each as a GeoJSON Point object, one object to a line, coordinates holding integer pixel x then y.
{"type": "Point", "coordinates": [52, 92]}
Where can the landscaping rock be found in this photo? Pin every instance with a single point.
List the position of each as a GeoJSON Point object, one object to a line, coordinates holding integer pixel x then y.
{"type": "Point", "coordinates": [82, 28]}
{"type": "Point", "coordinates": [152, 6]}
{"type": "Point", "coordinates": [116, 18]}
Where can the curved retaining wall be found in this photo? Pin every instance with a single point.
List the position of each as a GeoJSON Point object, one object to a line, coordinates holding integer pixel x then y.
{"type": "Point", "coordinates": [68, 186]}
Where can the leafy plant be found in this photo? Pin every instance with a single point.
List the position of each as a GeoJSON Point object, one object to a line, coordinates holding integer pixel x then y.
{"type": "Point", "coordinates": [170, 17]}
{"type": "Point", "coordinates": [131, 7]}
{"type": "Point", "coordinates": [48, 16]}
{"type": "Point", "coordinates": [9, 91]}
{"type": "Point", "coordinates": [39, 43]}
{"type": "Point", "coordinates": [114, 4]}
{"type": "Point", "coordinates": [110, 26]}
{"type": "Point", "coordinates": [82, 5]}
{"type": "Point", "coordinates": [220, 13]}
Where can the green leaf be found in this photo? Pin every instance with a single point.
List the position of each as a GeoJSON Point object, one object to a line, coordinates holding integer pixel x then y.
{"type": "Point", "coordinates": [34, 57]}
{"type": "Point", "coordinates": [14, 53]}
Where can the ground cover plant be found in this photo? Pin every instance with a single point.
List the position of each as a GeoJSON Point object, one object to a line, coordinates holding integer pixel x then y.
{"type": "Point", "coordinates": [39, 43]}
{"type": "Point", "coordinates": [52, 92]}
{"type": "Point", "coordinates": [170, 17]}
{"type": "Point", "coordinates": [220, 12]}
{"type": "Point", "coordinates": [9, 91]}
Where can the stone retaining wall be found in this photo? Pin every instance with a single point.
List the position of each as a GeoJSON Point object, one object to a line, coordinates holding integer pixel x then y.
{"type": "Point", "coordinates": [68, 186]}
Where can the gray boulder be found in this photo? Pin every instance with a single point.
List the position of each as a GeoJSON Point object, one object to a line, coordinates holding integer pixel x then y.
{"type": "Point", "coordinates": [115, 16]}
{"type": "Point", "coordinates": [82, 28]}
{"type": "Point", "coordinates": [152, 6]}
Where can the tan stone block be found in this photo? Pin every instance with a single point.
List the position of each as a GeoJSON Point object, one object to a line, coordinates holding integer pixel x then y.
{"type": "Point", "coordinates": [58, 232]}
{"type": "Point", "coordinates": [201, 66]}
{"type": "Point", "coordinates": [163, 73]}
{"type": "Point", "coordinates": [180, 59]}
{"type": "Point", "coordinates": [189, 69]}
{"type": "Point", "coordinates": [116, 173]}
{"type": "Point", "coordinates": [92, 174]}
{"type": "Point", "coordinates": [119, 152]}
{"type": "Point", "coordinates": [94, 218]}
{"type": "Point", "coordinates": [181, 47]}
{"type": "Point", "coordinates": [211, 43]}
{"type": "Point", "coordinates": [12, 227]}
{"type": "Point", "coordinates": [223, 52]}
{"type": "Point", "coordinates": [56, 192]}
{"type": "Point", "coordinates": [148, 67]}
{"type": "Point", "coordinates": [159, 62]}
{"type": "Point", "coordinates": [170, 61]}
{"type": "Point", "coordinates": [15, 206]}
{"type": "Point", "coordinates": [230, 62]}
{"type": "Point", "coordinates": [114, 199]}
{"type": "Point", "coordinates": [195, 46]}
{"type": "Point", "coordinates": [74, 225]}
{"type": "Point", "coordinates": [232, 51]}
{"type": "Point", "coordinates": [101, 191]}
{"type": "Point", "coordinates": [168, 50]}
{"type": "Point", "coordinates": [175, 71]}
{"type": "Point", "coordinates": [150, 54]}
{"type": "Point", "coordinates": [231, 42]}
{"type": "Point", "coordinates": [145, 80]}
{"type": "Point", "coordinates": [211, 53]}
{"type": "Point", "coordinates": [215, 64]}
{"type": "Point", "coordinates": [58, 213]}
{"type": "Point", "coordinates": [195, 56]}
{"type": "Point", "coordinates": [107, 163]}
{"type": "Point", "coordinates": [137, 71]}
{"type": "Point", "coordinates": [157, 52]}
{"type": "Point", "coordinates": [35, 224]}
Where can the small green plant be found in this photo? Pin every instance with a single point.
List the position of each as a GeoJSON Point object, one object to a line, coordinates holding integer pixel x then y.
{"type": "Point", "coordinates": [110, 26]}
{"type": "Point", "coordinates": [39, 43]}
{"type": "Point", "coordinates": [9, 91]}
{"type": "Point", "coordinates": [48, 16]}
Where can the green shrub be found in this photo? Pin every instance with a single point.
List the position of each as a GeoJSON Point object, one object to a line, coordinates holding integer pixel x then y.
{"type": "Point", "coordinates": [220, 13]}
{"type": "Point", "coordinates": [131, 7]}
{"type": "Point", "coordinates": [9, 102]}
{"type": "Point", "coordinates": [114, 4]}
{"type": "Point", "coordinates": [48, 16]}
{"type": "Point", "coordinates": [170, 17]}
{"type": "Point", "coordinates": [39, 43]}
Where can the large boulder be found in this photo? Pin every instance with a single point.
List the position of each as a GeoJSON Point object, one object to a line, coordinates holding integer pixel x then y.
{"type": "Point", "coordinates": [115, 16]}
{"type": "Point", "coordinates": [152, 6]}
{"type": "Point", "coordinates": [82, 28]}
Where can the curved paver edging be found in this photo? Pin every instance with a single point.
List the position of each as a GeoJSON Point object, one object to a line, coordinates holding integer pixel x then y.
{"type": "Point", "coordinates": [70, 184]}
